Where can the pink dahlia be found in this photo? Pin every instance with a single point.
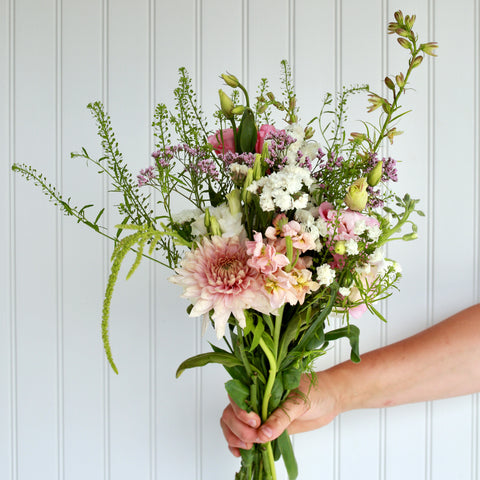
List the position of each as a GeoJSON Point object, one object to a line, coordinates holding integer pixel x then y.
{"type": "Point", "coordinates": [216, 276]}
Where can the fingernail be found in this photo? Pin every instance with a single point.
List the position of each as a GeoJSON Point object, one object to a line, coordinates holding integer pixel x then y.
{"type": "Point", "coordinates": [243, 445]}
{"type": "Point", "coordinates": [267, 432]}
{"type": "Point", "coordinates": [252, 422]}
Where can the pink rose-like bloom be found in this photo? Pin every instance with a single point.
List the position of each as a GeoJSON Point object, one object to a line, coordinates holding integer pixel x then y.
{"type": "Point", "coordinates": [263, 131]}
{"type": "Point", "coordinates": [216, 276]}
{"type": "Point", "coordinates": [264, 258]}
{"type": "Point", "coordinates": [228, 144]}
{"type": "Point", "coordinates": [347, 219]}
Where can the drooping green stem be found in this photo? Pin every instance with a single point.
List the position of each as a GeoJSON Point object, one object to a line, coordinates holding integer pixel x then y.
{"type": "Point", "coordinates": [276, 333]}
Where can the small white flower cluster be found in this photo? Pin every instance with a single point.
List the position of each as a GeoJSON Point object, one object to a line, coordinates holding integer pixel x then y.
{"type": "Point", "coordinates": [186, 215]}
{"type": "Point", "coordinates": [325, 274]}
{"type": "Point", "coordinates": [308, 149]}
{"type": "Point", "coordinates": [282, 189]}
{"type": "Point", "coordinates": [373, 231]}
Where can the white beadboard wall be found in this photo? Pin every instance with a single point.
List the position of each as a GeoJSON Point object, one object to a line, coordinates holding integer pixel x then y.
{"type": "Point", "coordinates": [63, 414]}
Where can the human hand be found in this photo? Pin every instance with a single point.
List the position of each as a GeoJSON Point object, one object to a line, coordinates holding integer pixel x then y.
{"type": "Point", "coordinates": [309, 407]}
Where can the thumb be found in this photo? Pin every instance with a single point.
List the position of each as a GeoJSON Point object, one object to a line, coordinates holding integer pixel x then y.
{"type": "Point", "coordinates": [294, 406]}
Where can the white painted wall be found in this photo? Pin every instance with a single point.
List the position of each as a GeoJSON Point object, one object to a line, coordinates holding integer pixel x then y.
{"type": "Point", "coordinates": [63, 415]}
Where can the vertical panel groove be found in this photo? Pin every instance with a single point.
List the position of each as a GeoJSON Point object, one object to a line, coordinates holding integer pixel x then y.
{"type": "Point", "coordinates": [338, 88]}
{"type": "Point", "coordinates": [245, 44]}
{"type": "Point", "coordinates": [105, 247]}
{"type": "Point", "coordinates": [151, 271]}
{"type": "Point", "coordinates": [476, 220]}
{"type": "Point", "coordinates": [198, 373]}
{"type": "Point", "coordinates": [12, 249]}
{"type": "Point", "coordinates": [59, 242]}
{"type": "Point", "coordinates": [291, 38]}
{"type": "Point", "coordinates": [430, 227]}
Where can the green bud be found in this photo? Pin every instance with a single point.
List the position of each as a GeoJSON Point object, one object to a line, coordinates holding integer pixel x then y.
{"type": "Point", "coordinates": [257, 166]}
{"type": "Point", "coordinates": [389, 83]}
{"type": "Point", "coordinates": [215, 227]}
{"type": "Point", "coordinates": [261, 109]}
{"type": "Point", "coordinates": [226, 104]}
{"type": "Point", "coordinates": [404, 43]}
{"type": "Point", "coordinates": [238, 110]}
{"type": "Point", "coordinates": [271, 96]}
{"type": "Point", "coordinates": [234, 201]}
{"type": "Point", "coordinates": [375, 174]}
{"type": "Point", "coordinates": [247, 132]}
{"type": "Point", "coordinates": [410, 236]}
{"type": "Point", "coordinates": [230, 80]}
{"type": "Point", "coordinates": [206, 220]}
{"type": "Point", "coordinates": [292, 103]}
{"type": "Point", "coordinates": [400, 79]}
{"type": "Point", "coordinates": [357, 196]}
{"type": "Point", "coordinates": [402, 32]}
{"type": "Point", "coordinates": [309, 131]}
{"type": "Point", "coordinates": [340, 247]}
{"type": "Point", "coordinates": [429, 48]}
{"type": "Point", "coordinates": [246, 195]}
{"type": "Point", "coordinates": [410, 20]}
{"type": "Point", "coordinates": [417, 61]}
{"type": "Point", "coordinates": [398, 16]}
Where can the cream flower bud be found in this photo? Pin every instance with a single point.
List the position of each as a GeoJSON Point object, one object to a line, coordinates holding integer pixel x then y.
{"type": "Point", "coordinates": [234, 203]}
{"type": "Point", "coordinates": [238, 110]}
{"type": "Point", "coordinates": [375, 174]}
{"type": "Point", "coordinates": [357, 196]}
{"type": "Point", "coordinates": [215, 227]}
{"type": "Point", "coordinates": [246, 195]}
{"type": "Point", "coordinates": [340, 248]}
{"type": "Point", "coordinates": [226, 104]}
{"type": "Point", "coordinates": [230, 80]}
{"type": "Point", "coordinates": [207, 218]}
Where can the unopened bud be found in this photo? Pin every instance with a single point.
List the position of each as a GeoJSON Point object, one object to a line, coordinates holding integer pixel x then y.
{"type": "Point", "coordinates": [417, 61]}
{"type": "Point", "coordinates": [257, 166]}
{"type": "Point", "coordinates": [234, 203]}
{"type": "Point", "coordinates": [292, 103]}
{"type": "Point", "coordinates": [206, 219]}
{"type": "Point", "coordinates": [215, 227]}
{"type": "Point", "coordinates": [246, 195]}
{"type": "Point", "coordinates": [226, 104]}
{"type": "Point", "coordinates": [271, 96]}
{"type": "Point", "coordinates": [409, 21]}
{"type": "Point", "coordinates": [404, 43]}
{"type": "Point", "coordinates": [429, 48]}
{"type": "Point", "coordinates": [402, 32]}
{"type": "Point", "coordinates": [410, 236]}
{"type": "Point", "coordinates": [393, 133]}
{"type": "Point", "coordinates": [340, 248]}
{"type": "Point", "coordinates": [309, 132]}
{"type": "Point", "coordinates": [238, 110]}
{"type": "Point", "coordinates": [375, 174]}
{"type": "Point", "coordinates": [400, 79]}
{"type": "Point", "coordinates": [357, 196]}
{"type": "Point", "coordinates": [398, 16]}
{"type": "Point", "coordinates": [261, 109]}
{"type": "Point", "coordinates": [389, 83]}
{"type": "Point", "coordinates": [357, 137]}
{"type": "Point", "coordinates": [230, 80]}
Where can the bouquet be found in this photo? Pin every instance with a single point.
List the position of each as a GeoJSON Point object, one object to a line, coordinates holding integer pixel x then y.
{"type": "Point", "coordinates": [287, 224]}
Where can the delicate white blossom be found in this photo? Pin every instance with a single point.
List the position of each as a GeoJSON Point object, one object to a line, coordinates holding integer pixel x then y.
{"type": "Point", "coordinates": [351, 247]}
{"type": "Point", "coordinates": [325, 274]}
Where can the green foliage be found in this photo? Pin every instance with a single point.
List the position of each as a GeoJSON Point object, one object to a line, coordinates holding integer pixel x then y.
{"type": "Point", "coordinates": [226, 359]}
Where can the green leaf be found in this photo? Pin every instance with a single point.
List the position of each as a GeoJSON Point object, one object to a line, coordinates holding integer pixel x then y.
{"type": "Point", "coordinates": [277, 393]}
{"type": "Point", "coordinates": [285, 446]}
{"type": "Point", "coordinates": [226, 359]}
{"type": "Point", "coordinates": [239, 393]}
{"type": "Point", "coordinates": [291, 378]}
{"type": "Point", "coordinates": [352, 333]}
{"type": "Point", "coordinates": [257, 335]}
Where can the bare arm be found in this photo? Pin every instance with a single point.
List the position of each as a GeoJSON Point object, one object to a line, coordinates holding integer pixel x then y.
{"type": "Point", "coordinates": [440, 362]}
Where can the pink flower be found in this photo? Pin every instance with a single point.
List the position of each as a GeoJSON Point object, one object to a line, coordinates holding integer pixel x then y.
{"type": "Point", "coordinates": [216, 276]}
{"type": "Point", "coordinates": [347, 220]}
{"type": "Point", "coordinates": [263, 131]}
{"type": "Point", "coordinates": [228, 143]}
{"type": "Point", "coordinates": [264, 258]}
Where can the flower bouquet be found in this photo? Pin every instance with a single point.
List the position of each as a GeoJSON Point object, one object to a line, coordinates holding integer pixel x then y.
{"type": "Point", "coordinates": [283, 229]}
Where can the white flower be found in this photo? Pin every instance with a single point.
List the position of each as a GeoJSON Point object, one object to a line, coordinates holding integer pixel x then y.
{"type": "Point", "coordinates": [310, 149]}
{"type": "Point", "coordinates": [325, 274]}
{"type": "Point", "coordinates": [304, 217]}
{"type": "Point", "coordinates": [363, 269]}
{"type": "Point", "coordinates": [360, 227]}
{"type": "Point", "coordinates": [376, 256]}
{"type": "Point", "coordinates": [373, 232]}
{"type": "Point", "coordinates": [351, 247]}
{"type": "Point", "coordinates": [318, 246]}
{"type": "Point", "coordinates": [301, 202]}
{"type": "Point", "coordinates": [186, 215]}
{"type": "Point", "coordinates": [322, 226]}
{"type": "Point", "coordinates": [344, 291]}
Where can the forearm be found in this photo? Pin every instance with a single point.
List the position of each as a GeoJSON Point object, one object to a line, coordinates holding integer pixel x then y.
{"type": "Point", "coordinates": [440, 362]}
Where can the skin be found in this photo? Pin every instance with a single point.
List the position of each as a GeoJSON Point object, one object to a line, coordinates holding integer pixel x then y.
{"type": "Point", "coordinates": [439, 362]}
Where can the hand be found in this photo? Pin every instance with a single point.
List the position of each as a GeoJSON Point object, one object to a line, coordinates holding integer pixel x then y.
{"type": "Point", "coordinates": [309, 407]}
